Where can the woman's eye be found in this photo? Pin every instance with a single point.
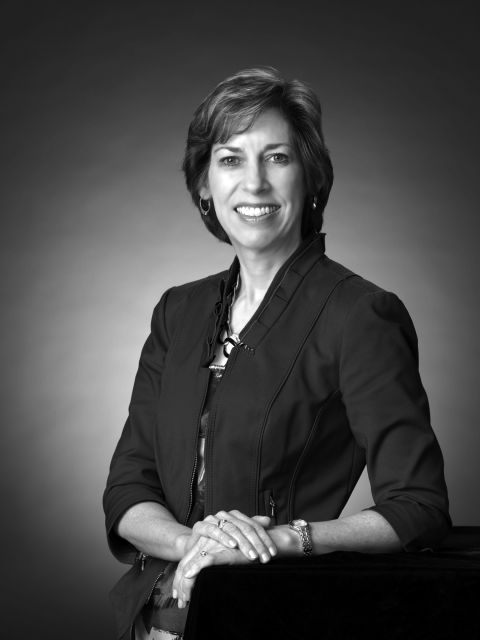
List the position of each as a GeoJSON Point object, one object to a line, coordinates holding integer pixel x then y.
{"type": "Point", "coordinates": [230, 161]}
{"type": "Point", "coordinates": [279, 158]}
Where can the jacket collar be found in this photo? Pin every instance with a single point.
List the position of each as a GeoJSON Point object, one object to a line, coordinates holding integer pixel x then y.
{"type": "Point", "coordinates": [312, 247]}
{"type": "Point", "coordinates": [281, 290]}
{"type": "Point", "coordinates": [283, 285]}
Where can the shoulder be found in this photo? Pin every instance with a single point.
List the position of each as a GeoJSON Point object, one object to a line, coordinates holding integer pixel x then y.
{"type": "Point", "coordinates": [181, 293]}
{"type": "Point", "coordinates": [175, 300]}
{"type": "Point", "coordinates": [356, 302]}
{"type": "Point", "coordinates": [351, 283]}
{"type": "Point", "coordinates": [208, 281]}
{"type": "Point", "coordinates": [352, 288]}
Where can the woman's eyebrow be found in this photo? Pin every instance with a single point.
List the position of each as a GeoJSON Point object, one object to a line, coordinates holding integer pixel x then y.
{"type": "Point", "coordinates": [232, 149]}
{"type": "Point", "coordinates": [276, 144]}
{"type": "Point", "coordinates": [267, 147]}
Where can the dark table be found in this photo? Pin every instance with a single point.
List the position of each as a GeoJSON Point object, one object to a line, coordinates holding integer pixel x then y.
{"type": "Point", "coordinates": [345, 596]}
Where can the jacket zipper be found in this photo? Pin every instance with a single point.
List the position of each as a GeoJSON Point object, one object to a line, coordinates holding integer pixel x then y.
{"type": "Point", "coordinates": [191, 494]}
{"type": "Point", "coordinates": [192, 480]}
{"type": "Point", "coordinates": [272, 507]}
{"type": "Point", "coordinates": [191, 487]}
{"type": "Point", "coordinates": [153, 586]}
{"type": "Point", "coordinates": [213, 409]}
{"type": "Point", "coordinates": [269, 505]}
{"type": "Point", "coordinates": [143, 556]}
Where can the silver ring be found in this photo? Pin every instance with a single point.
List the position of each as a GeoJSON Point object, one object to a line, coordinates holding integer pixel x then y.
{"type": "Point", "coordinates": [221, 523]}
{"type": "Point", "coordinates": [203, 553]}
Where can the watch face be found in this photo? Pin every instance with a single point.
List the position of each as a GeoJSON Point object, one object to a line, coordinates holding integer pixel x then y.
{"type": "Point", "coordinates": [299, 523]}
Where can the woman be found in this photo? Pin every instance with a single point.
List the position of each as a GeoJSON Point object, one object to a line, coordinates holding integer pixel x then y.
{"type": "Point", "coordinates": [263, 391]}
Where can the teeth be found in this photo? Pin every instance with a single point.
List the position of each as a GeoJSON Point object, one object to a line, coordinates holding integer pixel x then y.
{"type": "Point", "coordinates": [256, 211]}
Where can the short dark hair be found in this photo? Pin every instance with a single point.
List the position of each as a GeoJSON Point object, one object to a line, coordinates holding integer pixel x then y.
{"type": "Point", "coordinates": [232, 108]}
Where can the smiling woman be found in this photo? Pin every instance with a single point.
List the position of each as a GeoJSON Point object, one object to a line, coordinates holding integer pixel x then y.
{"type": "Point", "coordinates": [232, 109]}
{"type": "Point", "coordinates": [263, 391]}
{"type": "Point", "coordinates": [259, 193]}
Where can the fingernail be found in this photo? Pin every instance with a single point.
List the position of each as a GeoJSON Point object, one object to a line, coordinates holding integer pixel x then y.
{"type": "Point", "coordinates": [232, 543]}
{"type": "Point", "coordinates": [180, 604]}
{"type": "Point", "coordinates": [265, 557]}
{"type": "Point", "coordinates": [273, 551]}
{"type": "Point", "coordinates": [252, 554]}
{"type": "Point", "coordinates": [175, 594]}
{"type": "Point", "coordinates": [188, 574]}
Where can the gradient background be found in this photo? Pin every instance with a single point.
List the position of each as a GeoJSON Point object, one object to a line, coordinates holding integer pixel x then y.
{"type": "Point", "coordinates": [96, 224]}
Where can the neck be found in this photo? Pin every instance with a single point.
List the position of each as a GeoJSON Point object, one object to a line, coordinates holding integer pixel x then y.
{"type": "Point", "coordinates": [258, 269]}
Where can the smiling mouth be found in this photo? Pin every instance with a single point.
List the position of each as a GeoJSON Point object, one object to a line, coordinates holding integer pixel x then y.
{"type": "Point", "coordinates": [257, 212]}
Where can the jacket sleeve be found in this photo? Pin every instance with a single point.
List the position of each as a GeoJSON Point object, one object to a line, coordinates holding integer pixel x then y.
{"type": "Point", "coordinates": [133, 473]}
{"type": "Point", "coordinates": [389, 416]}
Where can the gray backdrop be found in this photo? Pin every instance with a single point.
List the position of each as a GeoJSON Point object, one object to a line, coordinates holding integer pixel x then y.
{"type": "Point", "coordinates": [96, 224]}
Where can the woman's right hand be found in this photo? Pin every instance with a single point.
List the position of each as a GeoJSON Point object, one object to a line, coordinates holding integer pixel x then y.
{"type": "Point", "coordinates": [240, 532]}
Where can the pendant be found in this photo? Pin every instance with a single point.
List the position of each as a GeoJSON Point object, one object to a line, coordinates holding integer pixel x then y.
{"type": "Point", "coordinates": [229, 343]}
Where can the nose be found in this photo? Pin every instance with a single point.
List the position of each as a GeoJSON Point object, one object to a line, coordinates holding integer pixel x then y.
{"type": "Point", "coordinates": [255, 179]}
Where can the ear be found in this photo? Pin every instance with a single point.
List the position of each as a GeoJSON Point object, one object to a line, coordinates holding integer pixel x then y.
{"type": "Point", "coordinates": [205, 193]}
{"type": "Point", "coordinates": [204, 190]}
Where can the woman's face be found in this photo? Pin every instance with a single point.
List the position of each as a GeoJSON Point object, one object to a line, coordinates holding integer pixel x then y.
{"type": "Point", "coordinates": [257, 185]}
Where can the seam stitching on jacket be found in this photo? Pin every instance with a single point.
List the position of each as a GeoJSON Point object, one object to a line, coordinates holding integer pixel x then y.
{"type": "Point", "coordinates": [382, 293]}
{"type": "Point", "coordinates": [211, 425]}
{"type": "Point", "coordinates": [364, 295]}
{"type": "Point", "coordinates": [173, 348]}
{"type": "Point", "coordinates": [304, 451]}
{"type": "Point", "coordinates": [274, 389]}
{"type": "Point", "coordinates": [280, 283]}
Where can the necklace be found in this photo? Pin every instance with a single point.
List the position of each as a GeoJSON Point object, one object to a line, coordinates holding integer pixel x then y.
{"type": "Point", "coordinates": [231, 339]}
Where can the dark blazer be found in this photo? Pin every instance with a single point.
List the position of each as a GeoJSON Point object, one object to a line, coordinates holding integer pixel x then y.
{"type": "Point", "coordinates": [325, 381]}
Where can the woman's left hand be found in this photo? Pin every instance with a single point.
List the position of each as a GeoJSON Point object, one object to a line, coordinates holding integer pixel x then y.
{"type": "Point", "coordinates": [206, 552]}
{"type": "Point", "coordinates": [190, 566]}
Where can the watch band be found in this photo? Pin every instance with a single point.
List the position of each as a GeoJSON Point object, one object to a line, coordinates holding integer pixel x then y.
{"type": "Point", "coordinates": [302, 528]}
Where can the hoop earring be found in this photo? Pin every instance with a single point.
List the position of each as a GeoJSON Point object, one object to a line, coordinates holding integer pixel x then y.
{"type": "Point", "coordinates": [205, 212]}
{"type": "Point", "coordinates": [314, 205]}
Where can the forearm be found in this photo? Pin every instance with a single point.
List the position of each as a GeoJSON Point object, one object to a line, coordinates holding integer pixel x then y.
{"type": "Point", "coordinates": [366, 532]}
{"type": "Point", "coordinates": [151, 528]}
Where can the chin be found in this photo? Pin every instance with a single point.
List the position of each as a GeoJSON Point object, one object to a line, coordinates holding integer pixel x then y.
{"type": "Point", "coordinates": [259, 239]}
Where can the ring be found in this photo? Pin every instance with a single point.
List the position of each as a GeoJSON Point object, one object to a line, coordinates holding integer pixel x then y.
{"type": "Point", "coordinates": [203, 553]}
{"type": "Point", "coordinates": [221, 523]}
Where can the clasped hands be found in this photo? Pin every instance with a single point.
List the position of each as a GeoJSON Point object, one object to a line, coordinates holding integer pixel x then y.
{"type": "Point", "coordinates": [241, 540]}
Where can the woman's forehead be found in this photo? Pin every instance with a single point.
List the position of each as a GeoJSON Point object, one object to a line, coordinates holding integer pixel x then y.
{"type": "Point", "coordinates": [269, 126]}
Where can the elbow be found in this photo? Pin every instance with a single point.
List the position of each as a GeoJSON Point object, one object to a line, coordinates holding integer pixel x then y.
{"type": "Point", "coordinates": [437, 525]}
{"type": "Point", "coordinates": [419, 526]}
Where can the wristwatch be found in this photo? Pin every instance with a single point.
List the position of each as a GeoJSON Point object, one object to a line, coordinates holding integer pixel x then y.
{"type": "Point", "coordinates": [301, 526]}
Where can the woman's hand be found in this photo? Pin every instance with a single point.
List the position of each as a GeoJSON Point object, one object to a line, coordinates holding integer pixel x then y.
{"type": "Point", "coordinates": [238, 532]}
{"type": "Point", "coordinates": [240, 541]}
{"type": "Point", "coordinates": [206, 553]}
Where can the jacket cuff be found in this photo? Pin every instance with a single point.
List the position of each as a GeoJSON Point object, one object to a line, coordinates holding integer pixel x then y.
{"type": "Point", "coordinates": [419, 536]}
{"type": "Point", "coordinates": [123, 550]}
{"type": "Point", "coordinates": [398, 524]}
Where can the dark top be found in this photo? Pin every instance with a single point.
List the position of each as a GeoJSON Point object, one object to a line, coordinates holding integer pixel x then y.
{"type": "Point", "coordinates": [325, 381]}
